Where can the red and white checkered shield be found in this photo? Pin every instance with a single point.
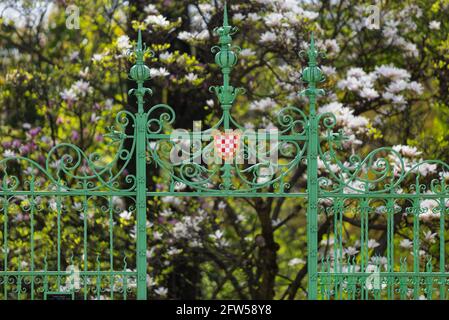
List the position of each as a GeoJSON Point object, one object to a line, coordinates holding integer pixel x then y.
{"type": "Point", "coordinates": [227, 144]}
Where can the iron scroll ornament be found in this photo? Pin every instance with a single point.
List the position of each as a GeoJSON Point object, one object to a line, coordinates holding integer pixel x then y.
{"type": "Point", "coordinates": [75, 170]}
{"type": "Point", "coordinates": [234, 177]}
{"type": "Point", "coordinates": [383, 170]}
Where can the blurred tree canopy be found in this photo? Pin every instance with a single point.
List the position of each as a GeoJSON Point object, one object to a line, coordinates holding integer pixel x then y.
{"type": "Point", "coordinates": [388, 87]}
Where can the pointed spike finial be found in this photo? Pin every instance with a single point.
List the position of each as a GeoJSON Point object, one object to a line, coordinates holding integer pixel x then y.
{"type": "Point", "coordinates": [139, 40]}
{"type": "Point", "coordinates": [312, 52]}
{"type": "Point", "coordinates": [225, 15]}
{"type": "Point", "coordinates": [312, 74]}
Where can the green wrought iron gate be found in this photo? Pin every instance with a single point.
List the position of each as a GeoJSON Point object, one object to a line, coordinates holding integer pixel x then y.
{"type": "Point", "coordinates": [93, 191]}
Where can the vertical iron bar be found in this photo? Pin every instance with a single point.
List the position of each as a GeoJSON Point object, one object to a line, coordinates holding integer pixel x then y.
{"type": "Point", "coordinates": [19, 280]}
{"type": "Point", "coordinates": [442, 247]}
{"type": "Point", "coordinates": [390, 247]}
{"type": "Point", "coordinates": [416, 212]}
{"type": "Point", "coordinates": [340, 243]}
{"type": "Point", "coordinates": [312, 190]}
{"type": "Point", "coordinates": [335, 262]}
{"type": "Point", "coordinates": [140, 72]}
{"type": "Point", "coordinates": [32, 235]}
{"type": "Point", "coordinates": [98, 282]}
{"type": "Point", "coordinates": [85, 261]}
{"type": "Point", "coordinates": [429, 279]}
{"type": "Point", "coordinates": [5, 242]}
{"type": "Point", "coordinates": [111, 247]}
{"type": "Point", "coordinates": [226, 59]}
{"type": "Point", "coordinates": [312, 75]}
{"type": "Point", "coordinates": [45, 284]}
{"type": "Point", "coordinates": [58, 208]}
{"type": "Point", "coordinates": [364, 217]}
{"type": "Point", "coordinates": [125, 280]}
{"type": "Point", "coordinates": [141, 210]}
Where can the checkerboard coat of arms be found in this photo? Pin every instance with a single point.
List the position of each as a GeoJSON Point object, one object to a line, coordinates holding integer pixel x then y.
{"type": "Point", "coordinates": [227, 144]}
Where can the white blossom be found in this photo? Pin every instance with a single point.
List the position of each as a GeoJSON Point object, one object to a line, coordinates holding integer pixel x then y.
{"type": "Point", "coordinates": [74, 55]}
{"type": "Point", "coordinates": [434, 25]}
{"type": "Point", "coordinates": [217, 235]}
{"type": "Point", "coordinates": [295, 261]}
{"type": "Point", "coordinates": [161, 291]}
{"type": "Point", "coordinates": [268, 37]}
{"type": "Point", "coordinates": [369, 93]}
{"type": "Point", "coordinates": [262, 105]}
{"type": "Point", "coordinates": [429, 236]}
{"type": "Point", "coordinates": [253, 17]}
{"type": "Point", "coordinates": [97, 57]}
{"type": "Point", "coordinates": [406, 244]}
{"type": "Point", "coordinates": [126, 215]}
{"type": "Point", "coordinates": [345, 117]}
{"type": "Point", "coordinates": [165, 56]}
{"type": "Point", "coordinates": [273, 19]}
{"type": "Point", "coordinates": [372, 243]}
{"type": "Point", "coordinates": [151, 9]}
{"type": "Point", "coordinates": [8, 153]}
{"type": "Point", "coordinates": [196, 36]}
{"type": "Point", "coordinates": [391, 72]}
{"type": "Point", "coordinates": [351, 251]}
{"type": "Point", "coordinates": [173, 251]}
{"type": "Point", "coordinates": [69, 95]}
{"type": "Point", "coordinates": [427, 168]}
{"type": "Point", "coordinates": [415, 86]}
{"type": "Point", "coordinates": [159, 72]}
{"type": "Point", "coordinates": [407, 151]}
{"type": "Point", "coordinates": [157, 20]}
{"type": "Point", "coordinates": [329, 70]}
{"type": "Point", "coordinates": [166, 212]}
{"type": "Point", "coordinates": [379, 260]}
{"type": "Point", "coordinates": [53, 205]}
{"type": "Point", "coordinates": [81, 87]}
{"type": "Point", "coordinates": [123, 43]}
{"type": "Point", "coordinates": [247, 52]}
{"type": "Point", "coordinates": [191, 77]}
{"type": "Point", "coordinates": [427, 206]}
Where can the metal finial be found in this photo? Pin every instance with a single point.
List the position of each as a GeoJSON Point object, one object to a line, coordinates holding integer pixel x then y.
{"type": "Point", "coordinates": [312, 51]}
{"type": "Point", "coordinates": [226, 59]}
{"type": "Point", "coordinates": [312, 42]}
{"type": "Point", "coordinates": [312, 74]}
{"type": "Point", "coordinates": [139, 40]}
{"type": "Point", "coordinates": [140, 72]}
{"type": "Point", "coordinates": [225, 15]}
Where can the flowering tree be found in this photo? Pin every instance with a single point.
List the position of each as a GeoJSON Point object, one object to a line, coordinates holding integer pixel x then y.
{"type": "Point", "coordinates": [386, 86]}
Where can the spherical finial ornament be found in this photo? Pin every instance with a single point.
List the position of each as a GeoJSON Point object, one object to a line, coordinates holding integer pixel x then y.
{"type": "Point", "coordinates": [226, 58]}
{"type": "Point", "coordinates": [312, 74]}
{"type": "Point", "coordinates": [139, 72]}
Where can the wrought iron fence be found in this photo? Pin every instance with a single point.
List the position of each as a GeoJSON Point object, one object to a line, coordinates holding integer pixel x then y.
{"type": "Point", "coordinates": [85, 195]}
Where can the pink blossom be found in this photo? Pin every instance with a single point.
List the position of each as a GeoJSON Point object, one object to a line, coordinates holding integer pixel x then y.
{"type": "Point", "coordinates": [35, 131]}
{"type": "Point", "coordinates": [75, 135]}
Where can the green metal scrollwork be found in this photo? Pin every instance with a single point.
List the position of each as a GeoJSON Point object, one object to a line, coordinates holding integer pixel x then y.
{"type": "Point", "coordinates": [228, 178]}
{"type": "Point", "coordinates": [378, 192]}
